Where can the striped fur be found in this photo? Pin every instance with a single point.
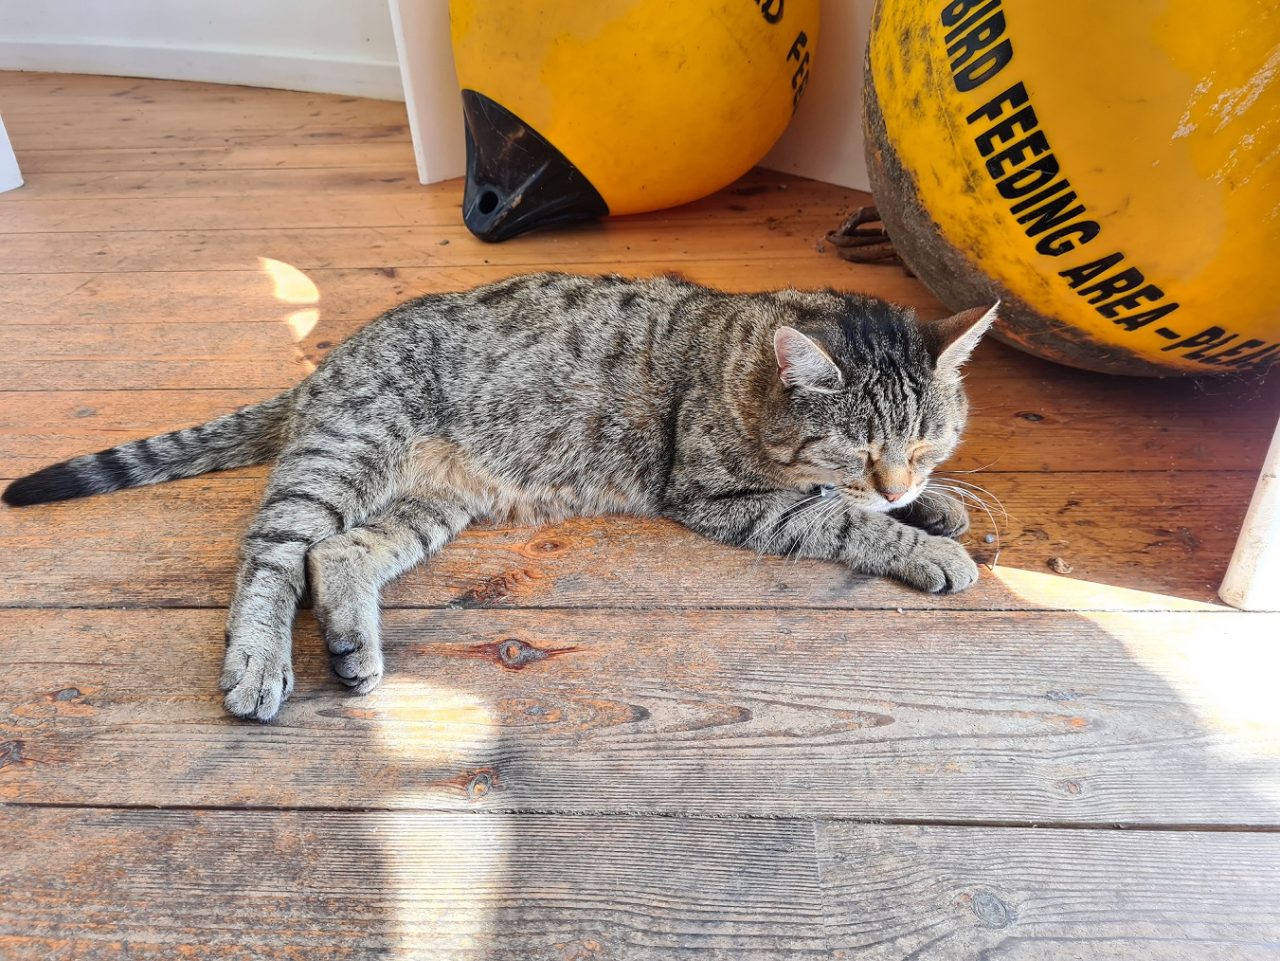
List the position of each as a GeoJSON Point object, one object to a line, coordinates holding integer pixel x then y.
{"type": "Point", "coordinates": [794, 423]}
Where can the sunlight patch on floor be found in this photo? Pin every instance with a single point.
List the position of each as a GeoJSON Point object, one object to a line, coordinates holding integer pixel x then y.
{"type": "Point", "coordinates": [1056, 592]}
{"type": "Point", "coordinates": [445, 868]}
{"type": "Point", "coordinates": [1222, 664]}
{"type": "Point", "coordinates": [291, 286]}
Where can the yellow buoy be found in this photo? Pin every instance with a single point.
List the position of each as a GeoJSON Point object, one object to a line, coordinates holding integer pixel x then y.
{"type": "Point", "coordinates": [1111, 171]}
{"type": "Point", "coordinates": [584, 108]}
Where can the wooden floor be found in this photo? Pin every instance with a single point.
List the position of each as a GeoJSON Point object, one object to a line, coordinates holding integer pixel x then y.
{"type": "Point", "coordinates": [608, 739]}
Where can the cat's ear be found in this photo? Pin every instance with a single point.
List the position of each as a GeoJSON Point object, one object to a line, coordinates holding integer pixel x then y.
{"type": "Point", "coordinates": [952, 339]}
{"type": "Point", "coordinates": [804, 364]}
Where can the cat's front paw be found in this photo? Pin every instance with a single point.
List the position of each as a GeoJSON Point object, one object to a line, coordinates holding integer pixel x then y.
{"type": "Point", "coordinates": [935, 513]}
{"type": "Point", "coordinates": [355, 659]}
{"type": "Point", "coordinates": [257, 680]}
{"type": "Point", "coordinates": [939, 565]}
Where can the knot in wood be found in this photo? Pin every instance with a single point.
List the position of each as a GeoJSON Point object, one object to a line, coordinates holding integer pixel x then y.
{"type": "Point", "coordinates": [481, 783]}
{"type": "Point", "coordinates": [990, 910]}
{"type": "Point", "coordinates": [514, 652]}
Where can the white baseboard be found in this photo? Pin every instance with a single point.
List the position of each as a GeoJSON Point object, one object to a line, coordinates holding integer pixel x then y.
{"type": "Point", "coordinates": [362, 78]}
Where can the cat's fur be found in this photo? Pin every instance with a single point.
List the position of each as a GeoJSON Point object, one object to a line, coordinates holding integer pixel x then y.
{"type": "Point", "coordinates": [783, 422]}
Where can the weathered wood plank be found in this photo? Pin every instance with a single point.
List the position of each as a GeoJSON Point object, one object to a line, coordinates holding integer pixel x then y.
{"type": "Point", "coordinates": [291, 885]}
{"type": "Point", "coordinates": [56, 194]}
{"type": "Point", "coordinates": [1154, 541]}
{"type": "Point", "coordinates": [609, 242]}
{"type": "Point", "coordinates": [357, 294]}
{"type": "Point", "coordinates": [358, 155]}
{"type": "Point", "coordinates": [88, 392]}
{"type": "Point", "coordinates": [941, 894]}
{"type": "Point", "coordinates": [1026, 718]}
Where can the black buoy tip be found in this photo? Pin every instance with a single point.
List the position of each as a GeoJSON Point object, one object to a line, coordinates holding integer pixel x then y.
{"type": "Point", "coordinates": [516, 179]}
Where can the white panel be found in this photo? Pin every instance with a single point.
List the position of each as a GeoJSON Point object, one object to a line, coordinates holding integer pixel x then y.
{"type": "Point", "coordinates": [430, 87]}
{"type": "Point", "coordinates": [825, 141]}
{"type": "Point", "coordinates": [334, 46]}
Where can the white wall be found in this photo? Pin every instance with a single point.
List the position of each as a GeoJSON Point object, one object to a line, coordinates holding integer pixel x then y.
{"type": "Point", "coordinates": [331, 46]}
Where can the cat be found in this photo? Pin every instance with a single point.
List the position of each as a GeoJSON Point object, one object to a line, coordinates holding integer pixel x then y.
{"type": "Point", "coordinates": [798, 423]}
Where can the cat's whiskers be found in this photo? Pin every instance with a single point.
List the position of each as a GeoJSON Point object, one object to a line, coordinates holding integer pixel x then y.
{"type": "Point", "coordinates": [957, 480]}
{"type": "Point", "coordinates": [793, 511]}
{"type": "Point", "coordinates": [815, 521]}
{"type": "Point", "coordinates": [966, 496]}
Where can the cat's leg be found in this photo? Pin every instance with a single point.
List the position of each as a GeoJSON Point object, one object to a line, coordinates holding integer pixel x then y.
{"type": "Point", "coordinates": [347, 571]}
{"type": "Point", "coordinates": [325, 481]}
{"type": "Point", "coordinates": [791, 524]}
{"type": "Point", "coordinates": [935, 513]}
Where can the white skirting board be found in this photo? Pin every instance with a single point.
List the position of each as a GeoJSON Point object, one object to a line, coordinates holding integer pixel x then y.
{"type": "Point", "coordinates": [824, 140]}
{"type": "Point", "coordinates": [10, 175]}
{"type": "Point", "coordinates": [320, 74]}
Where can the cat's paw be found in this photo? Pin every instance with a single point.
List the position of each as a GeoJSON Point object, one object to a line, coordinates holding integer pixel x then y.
{"type": "Point", "coordinates": [936, 513]}
{"type": "Point", "coordinates": [355, 659]}
{"type": "Point", "coordinates": [940, 566]}
{"type": "Point", "coordinates": [256, 681]}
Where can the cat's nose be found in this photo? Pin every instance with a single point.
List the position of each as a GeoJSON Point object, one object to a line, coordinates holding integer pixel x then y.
{"type": "Point", "coordinates": [892, 496]}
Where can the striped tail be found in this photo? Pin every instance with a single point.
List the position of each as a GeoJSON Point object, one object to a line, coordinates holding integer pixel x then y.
{"type": "Point", "coordinates": [251, 435]}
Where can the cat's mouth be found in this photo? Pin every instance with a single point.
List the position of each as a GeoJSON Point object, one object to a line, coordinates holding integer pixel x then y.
{"type": "Point", "coordinates": [870, 500]}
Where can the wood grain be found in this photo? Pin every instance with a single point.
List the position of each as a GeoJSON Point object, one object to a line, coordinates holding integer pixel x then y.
{"type": "Point", "coordinates": [294, 885]}
{"type": "Point", "coordinates": [609, 739]}
{"type": "Point", "coordinates": [1013, 717]}
{"type": "Point", "coordinates": [939, 894]}
{"type": "Point", "coordinates": [1151, 546]}
{"type": "Point", "coordinates": [71, 398]}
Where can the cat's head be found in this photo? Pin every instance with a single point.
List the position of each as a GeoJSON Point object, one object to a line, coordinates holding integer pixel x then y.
{"type": "Point", "coordinates": [867, 400]}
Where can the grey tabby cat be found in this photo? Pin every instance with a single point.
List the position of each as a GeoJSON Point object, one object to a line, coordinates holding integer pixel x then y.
{"type": "Point", "coordinates": [792, 423]}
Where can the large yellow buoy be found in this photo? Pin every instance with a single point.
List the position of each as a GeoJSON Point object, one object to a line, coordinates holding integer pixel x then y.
{"type": "Point", "coordinates": [1110, 170]}
{"type": "Point", "coordinates": [582, 108]}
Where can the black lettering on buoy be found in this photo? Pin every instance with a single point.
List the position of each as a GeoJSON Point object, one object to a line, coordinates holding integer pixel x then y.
{"type": "Point", "coordinates": [1254, 358]}
{"type": "Point", "coordinates": [962, 15]}
{"type": "Point", "coordinates": [1233, 351]}
{"type": "Point", "coordinates": [1029, 178]}
{"type": "Point", "coordinates": [1136, 321]}
{"type": "Point", "coordinates": [984, 68]}
{"type": "Point", "coordinates": [1128, 279]}
{"type": "Point", "coordinates": [1015, 96]}
{"type": "Point", "coordinates": [1034, 201]}
{"type": "Point", "coordinates": [1054, 213]}
{"type": "Point", "coordinates": [1200, 354]}
{"type": "Point", "coordinates": [799, 79]}
{"type": "Point", "coordinates": [1129, 301]}
{"type": "Point", "coordinates": [771, 10]}
{"type": "Point", "coordinates": [1075, 276]}
{"type": "Point", "coordinates": [1017, 153]}
{"type": "Point", "coordinates": [1059, 241]}
{"type": "Point", "coordinates": [1024, 121]}
{"type": "Point", "coordinates": [976, 39]}
{"type": "Point", "coordinates": [1206, 336]}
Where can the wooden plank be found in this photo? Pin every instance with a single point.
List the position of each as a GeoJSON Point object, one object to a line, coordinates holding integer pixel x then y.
{"type": "Point", "coordinates": [1153, 542]}
{"type": "Point", "coordinates": [758, 189]}
{"type": "Point", "coordinates": [811, 209]}
{"type": "Point", "coordinates": [1152, 718]}
{"type": "Point", "coordinates": [82, 388]}
{"type": "Point", "coordinates": [360, 155]}
{"type": "Point", "coordinates": [939, 894]}
{"type": "Point", "coordinates": [290, 885]}
{"type": "Point", "coordinates": [609, 242]}
{"type": "Point", "coordinates": [355, 295]}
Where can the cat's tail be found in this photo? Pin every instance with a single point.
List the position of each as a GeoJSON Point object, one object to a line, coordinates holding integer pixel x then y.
{"type": "Point", "coordinates": [251, 435]}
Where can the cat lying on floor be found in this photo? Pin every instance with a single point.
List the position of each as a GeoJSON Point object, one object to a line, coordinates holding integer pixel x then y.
{"type": "Point", "coordinates": [792, 423]}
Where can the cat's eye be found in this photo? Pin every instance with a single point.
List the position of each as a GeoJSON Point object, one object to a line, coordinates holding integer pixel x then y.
{"type": "Point", "coordinates": [923, 454]}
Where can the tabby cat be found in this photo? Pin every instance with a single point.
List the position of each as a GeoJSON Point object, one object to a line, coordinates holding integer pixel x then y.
{"type": "Point", "coordinates": [793, 423]}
